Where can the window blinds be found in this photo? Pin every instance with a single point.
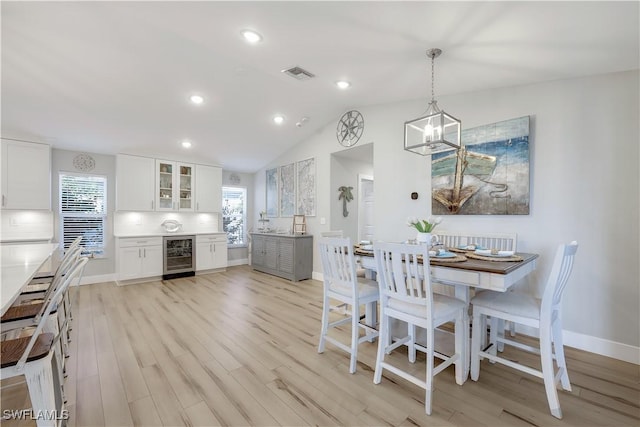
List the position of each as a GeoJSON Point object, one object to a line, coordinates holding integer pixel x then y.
{"type": "Point", "coordinates": [83, 211]}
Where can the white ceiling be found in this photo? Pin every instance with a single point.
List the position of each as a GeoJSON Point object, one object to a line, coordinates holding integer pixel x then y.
{"type": "Point", "coordinates": [113, 77]}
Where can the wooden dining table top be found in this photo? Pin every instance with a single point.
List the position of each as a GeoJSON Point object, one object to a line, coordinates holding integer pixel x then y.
{"type": "Point", "coordinates": [497, 267]}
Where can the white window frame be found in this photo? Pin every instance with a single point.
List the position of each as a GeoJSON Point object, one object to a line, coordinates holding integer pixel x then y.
{"type": "Point", "coordinates": [244, 243]}
{"type": "Point", "coordinates": [94, 251]}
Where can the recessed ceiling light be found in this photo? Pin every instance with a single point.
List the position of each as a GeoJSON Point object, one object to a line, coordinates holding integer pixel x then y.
{"type": "Point", "coordinates": [186, 144]}
{"type": "Point", "coordinates": [279, 119]}
{"type": "Point", "coordinates": [251, 36]}
{"type": "Point", "coordinates": [197, 99]}
{"type": "Point", "coordinates": [343, 84]}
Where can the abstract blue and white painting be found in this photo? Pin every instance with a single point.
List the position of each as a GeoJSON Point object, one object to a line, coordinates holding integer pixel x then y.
{"type": "Point", "coordinates": [490, 176]}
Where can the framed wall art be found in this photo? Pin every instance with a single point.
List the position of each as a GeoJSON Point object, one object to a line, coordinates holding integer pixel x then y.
{"type": "Point", "coordinates": [287, 190]}
{"type": "Point", "coordinates": [271, 184]}
{"type": "Point", "coordinates": [306, 187]}
{"type": "Point", "coordinates": [488, 176]}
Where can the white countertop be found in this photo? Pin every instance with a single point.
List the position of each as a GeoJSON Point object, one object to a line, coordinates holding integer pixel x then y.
{"type": "Point", "coordinates": [19, 263]}
{"type": "Point", "coordinates": [182, 233]}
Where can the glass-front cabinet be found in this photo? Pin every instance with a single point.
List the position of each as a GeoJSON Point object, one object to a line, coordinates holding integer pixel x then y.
{"type": "Point", "coordinates": [174, 186]}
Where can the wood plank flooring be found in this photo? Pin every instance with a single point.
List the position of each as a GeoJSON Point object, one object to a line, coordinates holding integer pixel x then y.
{"type": "Point", "coordinates": [240, 348]}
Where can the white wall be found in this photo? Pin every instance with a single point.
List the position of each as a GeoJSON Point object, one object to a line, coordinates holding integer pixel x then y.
{"type": "Point", "coordinates": [584, 186]}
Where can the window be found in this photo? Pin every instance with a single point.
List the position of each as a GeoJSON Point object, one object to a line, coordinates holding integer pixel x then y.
{"type": "Point", "coordinates": [234, 219]}
{"type": "Point", "coordinates": [83, 211]}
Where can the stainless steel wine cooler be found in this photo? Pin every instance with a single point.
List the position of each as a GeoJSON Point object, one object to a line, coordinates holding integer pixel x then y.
{"type": "Point", "coordinates": [179, 256]}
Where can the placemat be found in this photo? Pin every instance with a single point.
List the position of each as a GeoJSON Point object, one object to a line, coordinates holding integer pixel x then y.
{"type": "Point", "coordinates": [457, 258]}
{"type": "Point", "coordinates": [493, 258]}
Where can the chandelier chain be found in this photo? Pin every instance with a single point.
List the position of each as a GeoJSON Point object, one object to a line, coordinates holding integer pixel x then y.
{"type": "Point", "coordinates": [433, 96]}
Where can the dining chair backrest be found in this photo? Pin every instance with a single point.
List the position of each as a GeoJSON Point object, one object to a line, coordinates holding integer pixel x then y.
{"type": "Point", "coordinates": [558, 278]}
{"type": "Point", "coordinates": [338, 264]}
{"type": "Point", "coordinates": [500, 241]}
{"type": "Point", "coordinates": [74, 271]}
{"type": "Point", "coordinates": [68, 261]}
{"type": "Point", "coordinates": [403, 274]}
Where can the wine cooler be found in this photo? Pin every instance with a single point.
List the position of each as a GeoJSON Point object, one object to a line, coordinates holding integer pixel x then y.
{"type": "Point", "coordinates": [179, 256]}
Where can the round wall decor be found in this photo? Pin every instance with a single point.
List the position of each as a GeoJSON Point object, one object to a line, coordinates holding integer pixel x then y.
{"type": "Point", "coordinates": [84, 162]}
{"type": "Point", "coordinates": [350, 128]}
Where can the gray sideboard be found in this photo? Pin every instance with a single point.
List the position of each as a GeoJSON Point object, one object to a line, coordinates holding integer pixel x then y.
{"type": "Point", "coordinates": [285, 255]}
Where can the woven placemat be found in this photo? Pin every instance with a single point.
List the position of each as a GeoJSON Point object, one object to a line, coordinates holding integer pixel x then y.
{"type": "Point", "coordinates": [457, 258]}
{"type": "Point", "coordinates": [493, 258]}
{"type": "Point", "coordinates": [460, 251]}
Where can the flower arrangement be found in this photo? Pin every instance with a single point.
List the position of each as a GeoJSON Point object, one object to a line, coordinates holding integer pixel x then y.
{"type": "Point", "coordinates": [424, 225]}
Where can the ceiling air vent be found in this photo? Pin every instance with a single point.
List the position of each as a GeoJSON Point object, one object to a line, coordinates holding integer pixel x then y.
{"type": "Point", "coordinates": [298, 73]}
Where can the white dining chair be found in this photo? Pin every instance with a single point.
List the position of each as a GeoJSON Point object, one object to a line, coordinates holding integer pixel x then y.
{"type": "Point", "coordinates": [544, 314]}
{"type": "Point", "coordinates": [341, 283]}
{"type": "Point", "coordinates": [34, 357]}
{"type": "Point", "coordinates": [406, 295]}
{"type": "Point", "coordinates": [499, 241]}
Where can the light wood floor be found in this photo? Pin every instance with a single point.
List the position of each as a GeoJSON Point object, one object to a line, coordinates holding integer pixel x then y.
{"type": "Point", "coordinates": [239, 348]}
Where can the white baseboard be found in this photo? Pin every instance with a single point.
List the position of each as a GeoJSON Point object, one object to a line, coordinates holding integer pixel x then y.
{"type": "Point", "coordinates": [601, 346]}
{"type": "Point", "coordinates": [234, 262]}
{"type": "Point", "coordinates": [101, 278]}
{"type": "Point", "coordinates": [317, 276]}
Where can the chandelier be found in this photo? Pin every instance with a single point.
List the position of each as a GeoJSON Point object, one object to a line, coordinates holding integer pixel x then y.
{"type": "Point", "coordinates": [436, 131]}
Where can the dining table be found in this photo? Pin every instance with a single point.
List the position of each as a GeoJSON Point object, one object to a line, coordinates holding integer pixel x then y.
{"type": "Point", "coordinates": [19, 263]}
{"type": "Point", "coordinates": [466, 272]}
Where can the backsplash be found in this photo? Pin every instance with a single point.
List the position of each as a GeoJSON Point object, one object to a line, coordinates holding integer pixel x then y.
{"type": "Point", "coordinates": [146, 223]}
{"type": "Point", "coordinates": [26, 225]}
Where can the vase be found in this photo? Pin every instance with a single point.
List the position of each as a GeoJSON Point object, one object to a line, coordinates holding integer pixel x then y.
{"type": "Point", "coordinates": [423, 238]}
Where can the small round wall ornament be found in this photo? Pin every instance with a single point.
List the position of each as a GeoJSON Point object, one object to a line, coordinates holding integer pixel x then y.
{"type": "Point", "coordinates": [84, 162]}
{"type": "Point", "coordinates": [350, 128]}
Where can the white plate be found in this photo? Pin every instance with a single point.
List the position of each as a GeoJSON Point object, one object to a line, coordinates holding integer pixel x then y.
{"type": "Point", "coordinates": [494, 255]}
{"type": "Point", "coordinates": [464, 247]}
{"type": "Point", "coordinates": [445, 255]}
{"type": "Point", "coordinates": [366, 247]}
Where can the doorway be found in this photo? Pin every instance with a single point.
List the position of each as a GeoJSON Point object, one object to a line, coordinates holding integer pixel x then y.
{"type": "Point", "coordinates": [365, 208]}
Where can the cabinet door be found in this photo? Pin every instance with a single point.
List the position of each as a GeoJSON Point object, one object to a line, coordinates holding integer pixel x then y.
{"type": "Point", "coordinates": [271, 252]}
{"type": "Point", "coordinates": [257, 250]}
{"type": "Point", "coordinates": [165, 186]}
{"type": "Point", "coordinates": [135, 183]}
{"type": "Point", "coordinates": [151, 261]}
{"type": "Point", "coordinates": [219, 255]}
{"type": "Point", "coordinates": [26, 175]}
{"type": "Point", "coordinates": [285, 256]}
{"type": "Point", "coordinates": [204, 258]}
{"type": "Point", "coordinates": [208, 189]}
{"type": "Point", "coordinates": [130, 263]}
{"type": "Point", "coordinates": [185, 185]}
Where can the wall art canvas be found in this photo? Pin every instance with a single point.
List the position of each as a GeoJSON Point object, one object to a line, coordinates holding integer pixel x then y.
{"type": "Point", "coordinates": [490, 176]}
{"type": "Point", "coordinates": [287, 190]}
{"type": "Point", "coordinates": [271, 184]}
{"type": "Point", "coordinates": [306, 187]}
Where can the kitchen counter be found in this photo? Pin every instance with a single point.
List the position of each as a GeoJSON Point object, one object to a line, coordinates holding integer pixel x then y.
{"type": "Point", "coordinates": [280, 234]}
{"type": "Point", "coordinates": [162, 234]}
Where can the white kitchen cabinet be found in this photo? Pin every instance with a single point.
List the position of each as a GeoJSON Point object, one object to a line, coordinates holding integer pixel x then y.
{"type": "Point", "coordinates": [174, 186]}
{"type": "Point", "coordinates": [211, 251]}
{"type": "Point", "coordinates": [139, 257]}
{"type": "Point", "coordinates": [26, 175]}
{"type": "Point", "coordinates": [135, 183]}
{"type": "Point", "coordinates": [208, 189]}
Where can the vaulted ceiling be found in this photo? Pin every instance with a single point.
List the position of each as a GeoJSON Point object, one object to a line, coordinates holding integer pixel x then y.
{"type": "Point", "coordinates": [113, 77]}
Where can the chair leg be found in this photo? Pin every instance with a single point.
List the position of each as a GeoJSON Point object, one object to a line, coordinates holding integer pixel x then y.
{"type": "Point", "coordinates": [479, 330]}
{"type": "Point", "coordinates": [500, 331]}
{"type": "Point", "coordinates": [411, 329]}
{"type": "Point", "coordinates": [325, 324]}
{"type": "Point", "coordinates": [382, 345]}
{"type": "Point", "coordinates": [493, 337]}
{"type": "Point", "coordinates": [39, 378]}
{"type": "Point", "coordinates": [429, 381]}
{"type": "Point", "coordinates": [546, 357]}
{"type": "Point", "coordinates": [558, 347]}
{"type": "Point", "coordinates": [355, 335]}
